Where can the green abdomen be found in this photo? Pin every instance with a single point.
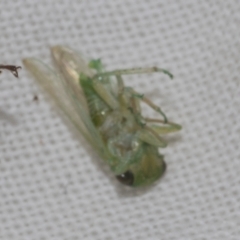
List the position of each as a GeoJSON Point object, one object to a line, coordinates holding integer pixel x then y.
{"type": "Point", "coordinates": [97, 107]}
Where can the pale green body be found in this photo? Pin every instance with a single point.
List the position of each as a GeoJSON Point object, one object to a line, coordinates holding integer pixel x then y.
{"type": "Point", "coordinates": [108, 115]}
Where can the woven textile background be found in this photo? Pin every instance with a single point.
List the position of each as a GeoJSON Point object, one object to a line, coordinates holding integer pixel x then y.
{"type": "Point", "coordinates": [53, 186]}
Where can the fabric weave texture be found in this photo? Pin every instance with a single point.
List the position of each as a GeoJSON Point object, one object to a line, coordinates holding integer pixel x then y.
{"type": "Point", "coordinates": [52, 184]}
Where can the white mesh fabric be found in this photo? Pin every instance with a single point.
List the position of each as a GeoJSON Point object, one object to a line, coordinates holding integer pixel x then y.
{"type": "Point", "coordinates": [51, 184]}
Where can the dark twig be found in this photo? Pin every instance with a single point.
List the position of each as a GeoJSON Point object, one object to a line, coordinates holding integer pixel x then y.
{"type": "Point", "coordinates": [11, 68]}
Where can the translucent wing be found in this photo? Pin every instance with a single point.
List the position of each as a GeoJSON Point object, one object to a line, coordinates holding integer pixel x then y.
{"type": "Point", "coordinates": [66, 91]}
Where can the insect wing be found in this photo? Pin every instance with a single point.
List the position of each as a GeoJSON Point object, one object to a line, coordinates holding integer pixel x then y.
{"type": "Point", "coordinates": [70, 65]}
{"type": "Point", "coordinates": [73, 105]}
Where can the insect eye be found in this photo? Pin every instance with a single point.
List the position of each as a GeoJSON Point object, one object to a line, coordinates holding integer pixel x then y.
{"type": "Point", "coordinates": [126, 178]}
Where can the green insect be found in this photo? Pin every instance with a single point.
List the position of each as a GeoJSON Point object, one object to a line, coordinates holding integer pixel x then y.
{"type": "Point", "coordinates": [107, 114]}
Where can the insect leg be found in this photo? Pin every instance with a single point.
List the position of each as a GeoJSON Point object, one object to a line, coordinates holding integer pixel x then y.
{"type": "Point", "coordinates": [103, 93]}
{"type": "Point", "coordinates": [132, 103]}
{"type": "Point", "coordinates": [169, 127]}
{"type": "Point", "coordinates": [136, 106]}
{"type": "Point", "coordinates": [148, 135]}
{"type": "Point", "coordinates": [123, 99]}
{"type": "Point", "coordinates": [155, 107]}
{"type": "Point", "coordinates": [134, 71]}
{"type": "Point", "coordinates": [118, 74]}
{"type": "Point", "coordinates": [150, 104]}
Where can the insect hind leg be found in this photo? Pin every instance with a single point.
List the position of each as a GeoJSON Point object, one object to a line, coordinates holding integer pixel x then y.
{"type": "Point", "coordinates": [170, 127]}
{"type": "Point", "coordinates": [155, 107]}
{"type": "Point", "coordinates": [149, 103]}
{"type": "Point", "coordinates": [134, 71]}
{"type": "Point", "coordinates": [118, 74]}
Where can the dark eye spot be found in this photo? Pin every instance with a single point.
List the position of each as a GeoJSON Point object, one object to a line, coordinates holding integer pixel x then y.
{"type": "Point", "coordinates": [126, 178]}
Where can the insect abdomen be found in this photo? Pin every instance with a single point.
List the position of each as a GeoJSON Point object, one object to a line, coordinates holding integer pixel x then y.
{"type": "Point", "coordinates": [97, 107]}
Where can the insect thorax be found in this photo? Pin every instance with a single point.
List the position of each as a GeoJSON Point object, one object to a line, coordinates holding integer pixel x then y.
{"type": "Point", "coordinates": [118, 128]}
